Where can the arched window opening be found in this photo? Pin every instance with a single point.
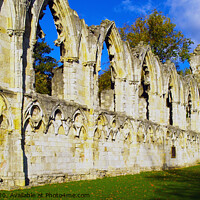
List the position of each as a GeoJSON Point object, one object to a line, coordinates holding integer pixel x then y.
{"type": "Point", "coordinates": [35, 112]}
{"type": "Point", "coordinates": [106, 80]}
{"type": "Point", "coordinates": [173, 152]}
{"type": "Point", "coordinates": [1, 120]}
{"type": "Point", "coordinates": [46, 54]}
{"type": "Point", "coordinates": [144, 92]}
{"type": "Point", "coordinates": [189, 107]}
{"type": "Point", "coordinates": [169, 105]}
{"type": "Point", "coordinates": [58, 115]}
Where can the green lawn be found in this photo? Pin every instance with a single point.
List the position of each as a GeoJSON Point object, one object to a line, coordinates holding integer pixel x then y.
{"type": "Point", "coordinates": [172, 184]}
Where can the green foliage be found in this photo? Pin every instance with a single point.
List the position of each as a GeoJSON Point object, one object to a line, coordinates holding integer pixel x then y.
{"type": "Point", "coordinates": [159, 32]}
{"type": "Point", "coordinates": [43, 67]}
{"type": "Point", "coordinates": [105, 80]}
{"type": "Point", "coordinates": [184, 72]}
{"type": "Point", "coordinates": [180, 184]}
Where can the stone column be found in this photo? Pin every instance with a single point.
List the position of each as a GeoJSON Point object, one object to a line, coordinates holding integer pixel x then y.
{"type": "Point", "coordinates": [175, 116]}
{"type": "Point", "coordinates": [132, 108]}
{"type": "Point", "coordinates": [162, 105]}
{"type": "Point", "coordinates": [119, 95]}
{"type": "Point", "coordinates": [92, 90]}
{"type": "Point", "coordinates": [16, 59]}
{"type": "Point", "coordinates": [194, 122]}
{"type": "Point", "coordinates": [70, 79]}
{"type": "Point", "coordinates": [130, 99]}
{"type": "Point", "coordinates": [165, 111]}
{"type": "Point", "coordinates": [182, 116]}
{"type": "Point", "coordinates": [30, 72]}
{"type": "Point", "coordinates": [124, 95]}
{"type": "Point", "coordinates": [152, 107]}
{"type": "Point", "coordinates": [15, 174]}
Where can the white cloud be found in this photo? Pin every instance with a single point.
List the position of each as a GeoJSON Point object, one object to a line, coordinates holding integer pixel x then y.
{"type": "Point", "coordinates": [186, 14]}
{"type": "Point", "coordinates": [135, 6]}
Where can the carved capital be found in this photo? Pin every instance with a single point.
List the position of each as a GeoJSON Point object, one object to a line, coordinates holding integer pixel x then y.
{"type": "Point", "coordinates": [70, 59]}
{"type": "Point", "coordinates": [124, 80]}
{"type": "Point", "coordinates": [120, 79]}
{"type": "Point", "coordinates": [12, 32]}
{"type": "Point", "coordinates": [26, 4]}
{"type": "Point", "coordinates": [89, 64]}
{"type": "Point", "coordinates": [133, 83]}
{"type": "Point", "coordinates": [19, 33]}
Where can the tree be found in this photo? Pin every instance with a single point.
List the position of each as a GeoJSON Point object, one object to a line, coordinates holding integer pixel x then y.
{"type": "Point", "coordinates": [43, 66]}
{"type": "Point", "coordinates": [184, 72]}
{"type": "Point", "coordinates": [105, 80]}
{"type": "Point", "coordinates": [159, 32]}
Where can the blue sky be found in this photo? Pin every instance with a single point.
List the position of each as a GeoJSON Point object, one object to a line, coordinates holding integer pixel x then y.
{"type": "Point", "coordinates": [184, 13]}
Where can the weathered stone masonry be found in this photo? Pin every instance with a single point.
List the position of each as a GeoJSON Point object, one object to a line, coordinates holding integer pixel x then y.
{"type": "Point", "coordinates": [148, 120]}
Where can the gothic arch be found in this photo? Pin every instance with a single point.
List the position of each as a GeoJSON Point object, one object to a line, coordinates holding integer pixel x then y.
{"type": "Point", "coordinates": [181, 139]}
{"type": "Point", "coordinates": [84, 48]}
{"type": "Point", "coordinates": [139, 54]}
{"type": "Point", "coordinates": [109, 33]}
{"type": "Point", "coordinates": [68, 34]}
{"type": "Point", "coordinates": [159, 135]}
{"type": "Point", "coordinates": [154, 68]}
{"type": "Point", "coordinates": [55, 109]}
{"type": "Point", "coordinates": [129, 70]}
{"type": "Point", "coordinates": [57, 119]}
{"type": "Point", "coordinates": [64, 19]}
{"type": "Point", "coordinates": [193, 90]}
{"type": "Point", "coordinates": [114, 129]}
{"type": "Point", "coordinates": [102, 120]}
{"type": "Point", "coordinates": [150, 81]}
{"type": "Point", "coordinates": [81, 113]}
{"type": "Point", "coordinates": [173, 90]}
{"type": "Point", "coordinates": [102, 128]}
{"type": "Point", "coordinates": [192, 105]}
{"type": "Point", "coordinates": [149, 133]}
{"type": "Point", "coordinates": [141, 133]}
{"type": "Point", "coordinates": [79, 121]}
{"type": "Point", "coordinates": [128, 131]}
{"type": "Point", "coordinates": [97, 134]}
{"type": "Point", "coordinates": [34, 116]}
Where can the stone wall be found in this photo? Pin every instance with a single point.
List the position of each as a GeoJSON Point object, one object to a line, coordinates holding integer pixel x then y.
{"type": "Point", "coordinates": [107, 100]}
{"type": "Point", "coordinates": [151, 121]}
{"type": "Point", "coordinates": [58, 83]}
{"type": "Point", "coordinates": [72, 143]}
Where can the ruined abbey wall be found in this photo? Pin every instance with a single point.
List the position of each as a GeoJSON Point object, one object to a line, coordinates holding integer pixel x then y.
{"type": "Point", "coordinates": [149, 120]}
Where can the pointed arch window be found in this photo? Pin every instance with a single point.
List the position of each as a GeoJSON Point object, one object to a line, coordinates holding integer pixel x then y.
{"type": "Point", "coordinates": [106, 80]}
{"type": "Point", "coordinates": [173, 152]}
{"type": "Point", "coordinates": [170, 104]}
{"type": "Point", "coordinates": [145, 87]}
{"type": "Point", "coordinates": [189, 107]}
{"type": "Point", "coordinates": [46, 54]}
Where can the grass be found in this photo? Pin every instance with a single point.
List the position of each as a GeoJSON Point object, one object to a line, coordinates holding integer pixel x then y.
{"type": "Point", "coordinates": [181, 184]}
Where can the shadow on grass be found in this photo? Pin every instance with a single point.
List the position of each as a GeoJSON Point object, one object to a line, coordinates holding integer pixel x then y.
{"type": "Point", "coordinates": [177, 184]}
